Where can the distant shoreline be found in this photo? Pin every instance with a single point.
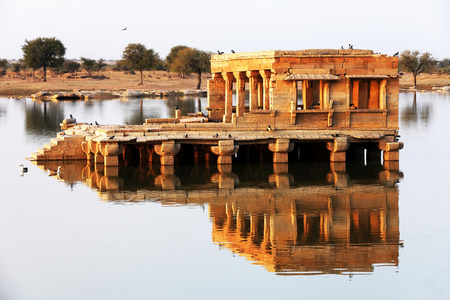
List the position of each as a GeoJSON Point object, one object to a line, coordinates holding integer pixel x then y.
{"type": "Point", "coordinates": [154, 82]}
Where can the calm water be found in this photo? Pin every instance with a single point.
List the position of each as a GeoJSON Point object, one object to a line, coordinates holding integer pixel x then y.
{"type": "Point", "coordinates": [201, 234]}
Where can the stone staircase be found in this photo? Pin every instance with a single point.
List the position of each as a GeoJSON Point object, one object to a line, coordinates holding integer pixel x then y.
{"type": "Point", "coordinates": [63, 147]}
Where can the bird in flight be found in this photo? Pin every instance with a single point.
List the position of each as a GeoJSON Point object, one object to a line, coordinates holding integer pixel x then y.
{"type": "Point", "coordinates": [124, 28]}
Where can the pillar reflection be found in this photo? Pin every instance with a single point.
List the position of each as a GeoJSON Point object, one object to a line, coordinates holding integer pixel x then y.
{"type": "Point", "coordinates": [298, 219]}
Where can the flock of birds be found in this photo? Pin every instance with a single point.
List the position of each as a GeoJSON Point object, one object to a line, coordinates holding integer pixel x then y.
{"type": "Point", "coordinates": [350, 46]}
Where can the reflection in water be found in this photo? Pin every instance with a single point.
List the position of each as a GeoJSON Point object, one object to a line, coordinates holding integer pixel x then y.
{"type": "Point", "coordinates": [330, 222]}
{"type": "Point", "coordinates": [414, 114]}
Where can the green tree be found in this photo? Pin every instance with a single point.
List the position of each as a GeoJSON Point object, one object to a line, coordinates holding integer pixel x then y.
{"type": "Point", "coordinates": [99, 65]}
{"type": "Point", "coordinates": [88, 64]}
{"type": "Point", "coordinates": [173, 54]}
{"type": "Point", "coordinates": [191, 60]}
{"type": "Point", "coordinates": [416, 63]}
{"type": "Point", "coordinates": [43, 52]}
{"type": "Point", "coordinates": [71, 66]}
{"type": "Point", "coordinates": [3, 67]}
{"type": "Point", "coordinates": [139, 58]}
{"type": "Point", "coordinates": [444, 66]}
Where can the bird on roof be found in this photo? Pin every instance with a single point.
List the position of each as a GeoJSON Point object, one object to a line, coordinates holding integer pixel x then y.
{"type": "Point", "coordinates": [176, 107]}
{"type": "Point", "coordinates": [232, 51]}
{"type": "Point", "coordinates": [96, 123]}
{"type": "Point", "coordinates": [269, 128]}
{"type": "Point", "coordinates": [216, 135]}
{"type": "Point", "coordinates": [350, 46]}
{"type": "Point", "coordinates": [123, 29]}
{"type": "Point", "coordinates": [111, 137]}
{"type": "Point", "coordinates": [220, 53]}
{"type": "Point", "coordinates": [395, 54]}
{"type": "Point", "coordinates": [186, 135]}
{"type": "Point", "coordinates": [71, 116]}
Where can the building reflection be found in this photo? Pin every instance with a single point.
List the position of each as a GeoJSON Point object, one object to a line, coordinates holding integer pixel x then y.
{"type": "Point", "coordinates": [328, 222]}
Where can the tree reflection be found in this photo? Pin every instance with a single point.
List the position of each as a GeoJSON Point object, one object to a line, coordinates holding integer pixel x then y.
{"type": "Point", "coordinates": [416, 113]}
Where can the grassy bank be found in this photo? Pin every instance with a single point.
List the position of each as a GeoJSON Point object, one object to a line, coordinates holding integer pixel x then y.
{"type": "Point", "coordinates": [153, 80]}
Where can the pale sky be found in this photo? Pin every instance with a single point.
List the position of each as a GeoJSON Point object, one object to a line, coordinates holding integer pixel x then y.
{"type": "Point", "coordinates": [92, 28]}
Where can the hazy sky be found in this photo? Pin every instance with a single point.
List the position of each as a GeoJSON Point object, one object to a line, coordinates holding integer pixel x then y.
{"type": "Point", "coordinates": [92, 28]}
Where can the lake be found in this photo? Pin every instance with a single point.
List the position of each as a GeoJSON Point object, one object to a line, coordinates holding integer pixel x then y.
{"type": "Point", "coordinates": [202, 234]}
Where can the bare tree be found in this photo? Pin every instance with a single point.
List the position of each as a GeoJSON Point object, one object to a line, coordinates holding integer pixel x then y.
{"type": "Point", "coordinates": [416, 63]}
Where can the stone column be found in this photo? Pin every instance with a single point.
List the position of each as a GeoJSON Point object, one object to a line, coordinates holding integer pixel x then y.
{"type": "Point", "coordinates": [265, 74]}
{"type": "Point", "coordinates": [225, 149]}
{"type": "Point", "coordinates": [240, 93]}
{"type": "Point", "coordinates": [95, 148]}
{"type": "Point", "coordinates": [280, 150]}
{"type": "Point", "coordinates": [167, 151]}
{"type": "Point", "coordinates": [216, 97]}
{"type": "Point", "coordinates": [143, 154]}
{"type": "Point", "coordinates": [391, 154]}
{"type": "Point", "coordinates": [110, 152]}
{"type": "Point", "coordinates": [85, 146]}
{"type": "Point", "coordinates": [229, 78]}
{"type": "Point", "coordinates": [253, 78]}
{"type": "Point", "coordinates": [338, 149]}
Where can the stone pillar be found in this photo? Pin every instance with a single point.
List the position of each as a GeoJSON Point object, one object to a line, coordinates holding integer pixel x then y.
{"type": "Point", "coordinates": [391, 154]}
{"type": "Point", "coordinates": [167, 151]}
{"type": "Point", "coordinates": [229, 79]}
{"type": "Point", "coordinates": [95, 148]}
{"type": "Point", "coordinates": [326, 95]}
{"type": "Point", "coordinates": [253, 78]}
{"type": "Point", "coordinates": [225, 149]}
{"type": "Point", "coordinates": [143, 153]}
{"type": "Point", "coordinates": [266, 74]}
{"type": "Point", "coordinates": [338, 149]}
{"type": "Point", "coordinates": [85, 147]}
{"type": "Point", "coordinates": [110, 152]}
{"type": "Point", "coordinates": [240, 93]}
{"type": "Point", "coordinates": [280, 150]}
{"type": "Point", "coordinates": [216, 97]}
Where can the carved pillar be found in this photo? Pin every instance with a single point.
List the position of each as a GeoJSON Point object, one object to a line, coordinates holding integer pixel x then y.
{"type": "Point", "coordinates": [110, 152]}
{"type": "Point", "coordinates": [240, 93]}
{"type": "Point", "coordinates": [225, 149]}
{"type": "Point", "coordinates": [338, 149]}
{"type": "Point", "coordinates": [383, 94]}
{"type": "Point", "coordinates": [95, 148]}
{"type": "Point", "coordinates": [280, 150]}
{"type": "Point", "coordinates": [253, 78]}
{"type": "Point", "coordinates": [167, 151]}
{"type": "Point", "coordinates": [229, 78]}
{"type": "Point", "coordinates": [265, 74]}
{"type": "Point", "coordinates": [85, 147]}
